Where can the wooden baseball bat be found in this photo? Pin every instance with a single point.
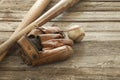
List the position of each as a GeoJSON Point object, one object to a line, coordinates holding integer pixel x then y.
{"type": "Point", "coordinates": [35, 11]}
{"type": "Point", "coordinates": [50, 14]}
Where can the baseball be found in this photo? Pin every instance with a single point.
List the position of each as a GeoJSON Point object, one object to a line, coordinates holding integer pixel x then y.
{"type": "Point", "coordinates": [76, 33]}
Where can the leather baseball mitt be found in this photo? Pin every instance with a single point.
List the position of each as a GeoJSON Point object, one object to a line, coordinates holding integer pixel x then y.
{"type": "Point", "coordinates": [45, 45]}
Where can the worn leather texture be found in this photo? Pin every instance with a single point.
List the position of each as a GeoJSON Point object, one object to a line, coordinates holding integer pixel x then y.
{"type": "Point", "coordinates": [45, 45]}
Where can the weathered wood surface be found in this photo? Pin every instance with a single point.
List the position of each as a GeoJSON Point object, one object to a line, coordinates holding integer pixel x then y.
{"type": "Point", "coordinates": [96, 57]}
{"type": "Point", "coordinates": [72, 16]}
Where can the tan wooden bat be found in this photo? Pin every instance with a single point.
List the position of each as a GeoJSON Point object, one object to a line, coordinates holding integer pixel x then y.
{"type": "Point", "coordinates": [35, 11]}
{"type": "Point", "coordinates": [50, 14]}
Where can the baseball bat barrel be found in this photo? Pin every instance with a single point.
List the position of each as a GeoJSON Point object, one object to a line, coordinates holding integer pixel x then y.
{"type": "Point", "coordinates": [50, 14]}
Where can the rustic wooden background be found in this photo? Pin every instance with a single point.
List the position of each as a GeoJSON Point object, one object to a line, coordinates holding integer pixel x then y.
{"type": "Point", "coordinates": [97, 57]}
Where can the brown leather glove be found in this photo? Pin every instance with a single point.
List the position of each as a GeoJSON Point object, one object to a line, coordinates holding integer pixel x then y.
{"type": "Point", "coordinates": [45, 45]}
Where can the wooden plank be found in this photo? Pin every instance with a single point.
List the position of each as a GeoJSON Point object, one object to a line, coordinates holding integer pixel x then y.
{"type": "Point", "coordinates": [98, 31]}
{"type": "Point", "coordinates": [87, 26]}
{"type": "Point", "coordinates": [28, 75]}
{"type": "Point", "coordinates": [75, 62]}
{"type": "Point", "coordinates": [91, 65]}
{"type": "Point", "coordinates": [92, 6]}
{"type": "Point", "coordinates": [13, 16]}
{"type": "Point", "coordinates": [67, 16]}
{"type": "Point", "coordinates": [89, 48]}
{"type": "Point", "coordinates": [96, 6]}
{"type": "Point", "coordinates": [83, 5]}
{"type": "Point", "coordinates": [90, 36]}
{"type": "Point", "coordinates": [89, 16]}
{"type": "Point", "coordinates": [86, 55]}
{"type": "Point", "coordinates": [96, 77]}
{"type": "Point", "coordinates": [31, 75]}
{"type": "Point", "coordinates": [104, 0]}
{"type": "Point", "coordinates": [95, 31]}
{"type": "Point", "coordinates": [4, 36]}
{"type": "Point", "coordinates": [8, 26]}
{"type": "Point", "coordinates": [102, 36]}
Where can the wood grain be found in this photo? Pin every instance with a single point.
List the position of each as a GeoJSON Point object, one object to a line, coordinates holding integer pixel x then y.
{"type": "Point", "coordinates": [88, 26]}
{"type": "Point", "coordinates": [28, 75]}
{"type": "Point", "coordinates": [83, 6]}
{"type": "Point", "coordinates": [95, 58]}
{"type": "Point", "coordinates": [68, 16]}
